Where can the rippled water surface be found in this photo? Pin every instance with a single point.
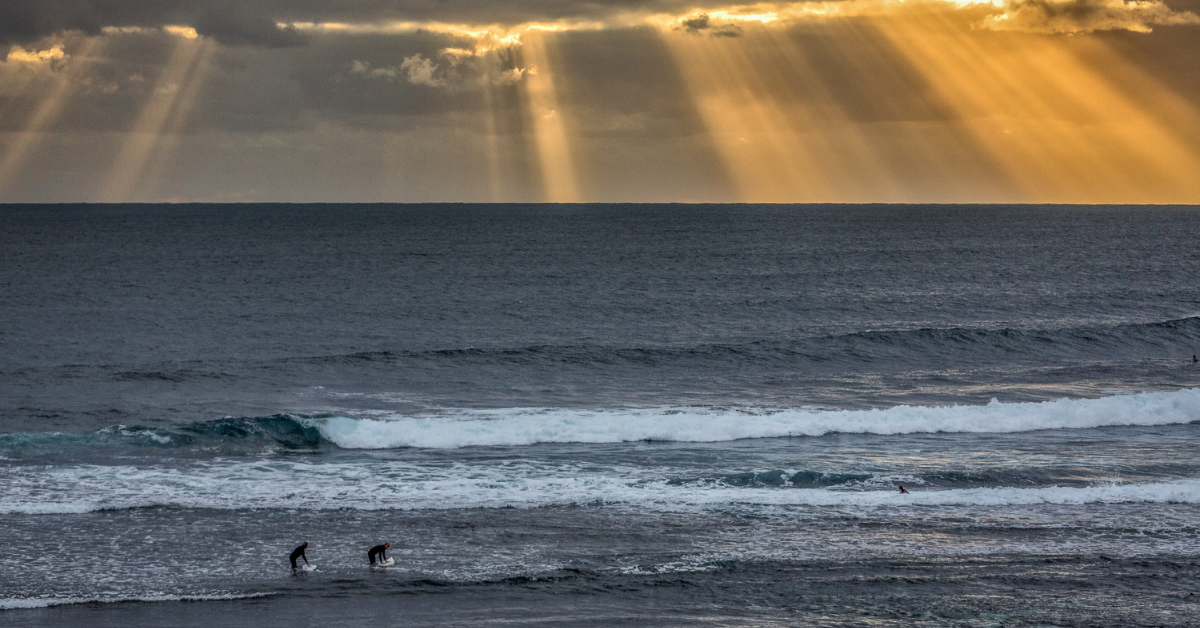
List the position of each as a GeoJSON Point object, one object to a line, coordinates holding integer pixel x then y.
{"type": "Point", "coordinates": [642, 415]}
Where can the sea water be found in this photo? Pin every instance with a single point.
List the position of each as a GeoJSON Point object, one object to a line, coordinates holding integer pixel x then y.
{"type": "Point", "coordinates": [599, 415]}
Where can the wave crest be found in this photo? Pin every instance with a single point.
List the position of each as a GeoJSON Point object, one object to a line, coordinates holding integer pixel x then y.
{"type": "Point", "coordinates": [532, 426]}
{"type": "Point", "coordinates": [529, 426]}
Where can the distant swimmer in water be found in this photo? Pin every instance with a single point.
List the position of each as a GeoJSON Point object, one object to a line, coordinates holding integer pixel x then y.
{"type": "Point", "coordinates": [1194, 360]}
{"type": "Point", "coordinates": [902, 491]}
{"type": "Point", "coordinates": [380, 551]}
{"type": "Point", "coordinates": [299, 553]}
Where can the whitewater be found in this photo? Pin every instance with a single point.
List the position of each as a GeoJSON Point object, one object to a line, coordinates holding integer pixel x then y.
{"type": "Point", "coordinates": [385, 487]}
{"type": "Point", "coordinates": [516, 427]}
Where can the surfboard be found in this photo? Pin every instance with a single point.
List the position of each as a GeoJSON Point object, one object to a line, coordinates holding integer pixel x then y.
{"type": "Point", "coordinates": [387, 563]}
{"type": "Point", "coordinates": [309, 567]}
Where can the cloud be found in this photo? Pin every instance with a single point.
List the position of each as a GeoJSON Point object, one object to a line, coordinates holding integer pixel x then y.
{"type": "Point", "coordinates": [274, 23]}
{"type": "Point", "coordinates": [228, 21]}
{"type": "Point", "coordinates": [699, 23]}
{"type": "Point", "coordinates": [695, 23]}
{"type": "Point", "coordinates": [282, 23]}
{"type": "Point", "coordinates": [19, 55]}
{"type": "Point", "coordinates": [234, 25]}
{"type": "Point", "coordinates": [422, 71]}
{"type": "Point", "coordinates": [453, 69]}
{"type": "Point", "coordinates": [362, 68]}
{"type": "Point", "coordinates": [21, 65]}
{"type": "Point", "coordinates": [1085, 16]}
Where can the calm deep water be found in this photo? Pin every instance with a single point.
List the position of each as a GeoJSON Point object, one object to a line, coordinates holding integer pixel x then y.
{"type": "Point", "coordinates": [650, 415]}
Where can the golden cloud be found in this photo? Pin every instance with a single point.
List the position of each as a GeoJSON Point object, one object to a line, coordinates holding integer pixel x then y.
{"type": "Point", "coordinates": [19, 55]}
{"type": "Point", "coordinates": [1085, 16]}
{"type": "Point", "coordinates": [1034, 16]}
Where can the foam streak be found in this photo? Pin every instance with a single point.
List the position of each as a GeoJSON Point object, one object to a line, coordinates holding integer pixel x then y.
{"type": "Point", "coordinates": [531, 426]}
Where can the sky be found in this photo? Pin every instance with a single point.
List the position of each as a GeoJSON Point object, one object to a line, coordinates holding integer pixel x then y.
{"type": "Point", "coordinates": [1047, 101]}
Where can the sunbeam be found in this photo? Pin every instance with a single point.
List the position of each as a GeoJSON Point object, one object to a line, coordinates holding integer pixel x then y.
{"type": "Point", "coordinates": [168, 140]}
{"type": "Point", "coordinates": [1064, 101]}
{"type": "Point", "coordinates": [1058, 127]}
{"type": "Point", "coordinates": [47, 111]}
{"type": "Point", "coordinates": [546, 117]}
{"type": "Point", "coordinates": [495, 184]}
{"type": "Point", "coordinates": [165, 101]}
{"type": "Point", "coordinates": [780, 130]}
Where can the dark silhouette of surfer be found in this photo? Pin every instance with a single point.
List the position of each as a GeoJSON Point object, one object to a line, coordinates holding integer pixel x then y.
{"type": "Point", "coordinates": [380, 551]}
{"type": "Point", "coordinates": [902, 491]}
{"type": "Point", "coordinates": [299, 553]}
{"type": "Point", "coordinates": [1194, 360]}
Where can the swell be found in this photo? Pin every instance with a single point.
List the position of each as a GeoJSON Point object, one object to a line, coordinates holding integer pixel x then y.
{"type": "Point", "coordinates": [920, 347]}
{"type": "Point", "coordinates": [900, 349]}
{"type": "Point", "coordinates": [237, 433]}
{"type": "Point", "coordinates": [529, 426]}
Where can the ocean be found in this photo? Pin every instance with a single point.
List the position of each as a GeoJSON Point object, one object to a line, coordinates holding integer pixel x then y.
{"type": "Point", "coordinates": [599, 415]}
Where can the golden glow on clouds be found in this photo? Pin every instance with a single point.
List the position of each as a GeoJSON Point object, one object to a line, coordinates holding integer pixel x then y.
{"type": "Point", "coordinates": [185, 32]}
{"type": "Point", "coordinates": [19, 55]}
{"type": "Point", "coordinates": [1039, 16]}
{"type": "Point", "coordinates": [1083, 17]}
{"type": "Point", "coordinates": [487, 36]}
{"type": "Point", "coordinates": [1038, 116]}
{"type": "Point", "coordinates": [1055, 127]}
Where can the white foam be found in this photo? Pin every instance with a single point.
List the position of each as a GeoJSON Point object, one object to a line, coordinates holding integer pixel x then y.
{"type": "Point", "coordinates": [13, 603]}
{"type": "Point", "coordinates": [391, 485]}
{"type": "Point", "coordinates": [530, 426]}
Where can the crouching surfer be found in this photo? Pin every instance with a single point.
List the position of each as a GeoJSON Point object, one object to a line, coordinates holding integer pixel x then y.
{"type": "Point", "coordinates": [380, 551]}
{"type": "Point", "coordinates": [299, 553]}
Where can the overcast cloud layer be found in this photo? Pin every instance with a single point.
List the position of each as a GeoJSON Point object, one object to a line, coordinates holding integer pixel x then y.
{"type": "Point", "coordinates": [860, 100]}
{"type": "Point", "coordinates": [256, 22]}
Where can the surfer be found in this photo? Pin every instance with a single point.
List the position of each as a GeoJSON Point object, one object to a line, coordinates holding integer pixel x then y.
{"type": "Point", "coordinates": [380, 551]}
{"type": "Point", "coordinates": [902, 491]}
{"type": "Point", "coordinates": [299, 553]}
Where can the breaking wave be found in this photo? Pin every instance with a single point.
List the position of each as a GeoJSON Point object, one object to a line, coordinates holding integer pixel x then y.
{"type": "Point", "coordinates": [529, 426]}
